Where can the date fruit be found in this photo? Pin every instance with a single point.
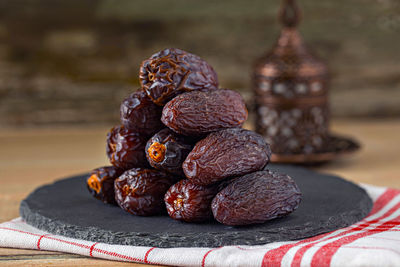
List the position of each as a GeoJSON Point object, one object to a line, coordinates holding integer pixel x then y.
{"type": "Point", "coordinates": [189, 202]}
{"type": "Point", "coordinates": [202, 112]}
{"type": "Point", "coordinates": [125, 148]}
{"type": "Point", "coordinates": [141, 191]}
{"type": "Point", "coordinates": [173, 71]}
{"type": "Point", "coordinates": [139, 114]}
{"type": "Point", "coordinates": [101, 183]}
{"type": "Point", "coordinates": [226, 153]}
{"type": "Point", "coordinates": [167, 150]}
{"type": "Point", "coordinates": [256, 198]}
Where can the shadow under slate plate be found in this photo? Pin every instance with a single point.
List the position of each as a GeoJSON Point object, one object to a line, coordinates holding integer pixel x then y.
{"type": "Point", "coordinates": [66, 208]}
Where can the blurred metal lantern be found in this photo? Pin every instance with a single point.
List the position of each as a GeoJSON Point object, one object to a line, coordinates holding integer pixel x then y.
{"type": "Point", "coordinates": [291, 96]}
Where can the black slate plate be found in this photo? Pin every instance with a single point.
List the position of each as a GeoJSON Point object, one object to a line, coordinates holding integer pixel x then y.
{"type": "Point", "coordinates": [66, 208]}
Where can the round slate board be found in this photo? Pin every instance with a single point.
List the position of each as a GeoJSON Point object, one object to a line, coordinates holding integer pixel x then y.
{"type": "Point", "coordinates": [66, 208]}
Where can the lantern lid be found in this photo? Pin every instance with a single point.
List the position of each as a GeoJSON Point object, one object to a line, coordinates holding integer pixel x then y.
{"type": "Point", "coordinates": [290, 57]}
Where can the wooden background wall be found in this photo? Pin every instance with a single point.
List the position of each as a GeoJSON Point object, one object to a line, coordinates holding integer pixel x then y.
{"type": "Point", "coordinates": [72, 62]}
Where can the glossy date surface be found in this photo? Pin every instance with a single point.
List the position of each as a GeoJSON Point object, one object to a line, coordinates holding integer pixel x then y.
{"type": "Point", "coordinates": [256, 198]}
{"type": "Point", "coordinates": [100, 183]}
{"type": "Point", "coordinates": [167, 150]}
{"type": "Point", "coordinates": [173, 71]}
{"type": "Point", "coordinates": [139, 114]}
{"type": "Point", "coordinates": [226, 153]}
{"type": "Point", "coordinates": [202, 112]}
{"type": "Point", "coordinates": [141, 191]}
{"type": "Point", "coordinates": [125, 148]}
{"type": "Point", "coordinates": [189, 202]}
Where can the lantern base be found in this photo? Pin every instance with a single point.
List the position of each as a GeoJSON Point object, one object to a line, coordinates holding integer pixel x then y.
{"type": "Point", "coordinates": [336, 147]}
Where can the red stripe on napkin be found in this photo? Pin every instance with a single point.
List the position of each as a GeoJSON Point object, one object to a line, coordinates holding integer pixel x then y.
{"type": "Point", "coordinates": [40, 239]}
{"type": "Point", "coordinates": [91, 249]}
{"type": "Point", "coordinates": [324, 255]}
{"type": "Point", "coordinates": [274, 257]}
{"type": "Point", "coordinates": [203, 262]}
{"type": "Point", "coordinates": [20, 231]}
{"type": "Point", "coordinates": [147, 255]}
{"type": "Point", "coordinates": [380, 203]}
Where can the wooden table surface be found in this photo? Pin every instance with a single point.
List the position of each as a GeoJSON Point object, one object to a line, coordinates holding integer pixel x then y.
{"type": "Point", "coordinates": [32, 157]}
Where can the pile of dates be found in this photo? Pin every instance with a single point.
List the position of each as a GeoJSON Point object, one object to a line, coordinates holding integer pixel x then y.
{"type": "Point", "coordinates": [180, 149]}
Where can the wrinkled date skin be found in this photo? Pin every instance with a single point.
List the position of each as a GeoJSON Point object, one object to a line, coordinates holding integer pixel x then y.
{"type": "Point", "coordinates": [226, 153]}
{"type": "Point", "coordinates": [101, 183]}
{"type": "Point", "coordinates": [125, 148]}
{"type": "Point", "coordinates": [256, 198]}
{"type": "Point", "coordinates": [139, 114]}
{"type": "Point", "coordinates": [141, 191]}
{"type": "Point", "coordinates": [202, 112]}
{"type": "Point", "coordinates": [173, 71]}
{"type": "Point", "coordinates": [189, 202]}
{"type": "Point", "coordinates": [167, 150]}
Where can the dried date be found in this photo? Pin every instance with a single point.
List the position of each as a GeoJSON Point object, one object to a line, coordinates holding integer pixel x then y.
{"type": "Point", "coordinates": [139, 114]}
{"type": "Point", "coordinates": [125, 148]}
{"type": "Point", "coordinates": [189, 202]}
{"type": "Point", "coordinates": [167, 150]}
{"type": "Point", "coordinates": [226, 153]}
{"type": "Point", "coordinates": [173, 71]}
{"type": "Point", "coordinates": [256, 198]}
{"type": "Point", "coordinates": [202, 112]}
{"type": "Point", "coordinates": [141, 191]}
{"type": "Point", "coordinates": [101, 183]}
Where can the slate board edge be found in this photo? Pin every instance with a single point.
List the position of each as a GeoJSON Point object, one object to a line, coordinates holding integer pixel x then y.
{"type": "Point", "coordinates": [35, 219]}
{"type": "Point", "coordinates": [190, 240]}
